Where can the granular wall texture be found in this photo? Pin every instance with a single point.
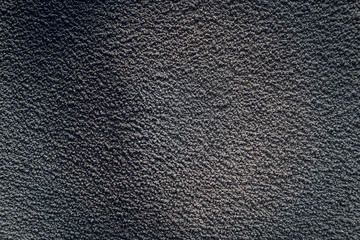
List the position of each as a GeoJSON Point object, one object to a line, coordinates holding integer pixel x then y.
{"type": "Point", "coordinates": [180, 119]}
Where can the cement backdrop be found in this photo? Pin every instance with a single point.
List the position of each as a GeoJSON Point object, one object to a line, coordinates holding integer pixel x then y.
{"type": "Point", "coordinates": [180, 120]}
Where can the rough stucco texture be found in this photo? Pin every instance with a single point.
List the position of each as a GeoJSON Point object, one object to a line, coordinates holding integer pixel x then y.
{"type": "Point", "coordinates": [186, 120]}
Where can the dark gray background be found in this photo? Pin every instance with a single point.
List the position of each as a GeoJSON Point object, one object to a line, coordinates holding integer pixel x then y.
{"type": "Point", "coordinates": [189, 120]}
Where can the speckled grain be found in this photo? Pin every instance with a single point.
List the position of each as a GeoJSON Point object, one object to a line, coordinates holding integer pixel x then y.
{"type": "Point", "coordinates": [179, 120]}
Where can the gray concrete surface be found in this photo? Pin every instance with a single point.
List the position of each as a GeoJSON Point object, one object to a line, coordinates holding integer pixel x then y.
{"type": "Point", "coordinates": [179, 120]}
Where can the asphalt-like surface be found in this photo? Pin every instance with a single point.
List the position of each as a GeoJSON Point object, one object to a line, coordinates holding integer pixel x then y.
{"type": "Point", "coordinates": [179, 120]}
